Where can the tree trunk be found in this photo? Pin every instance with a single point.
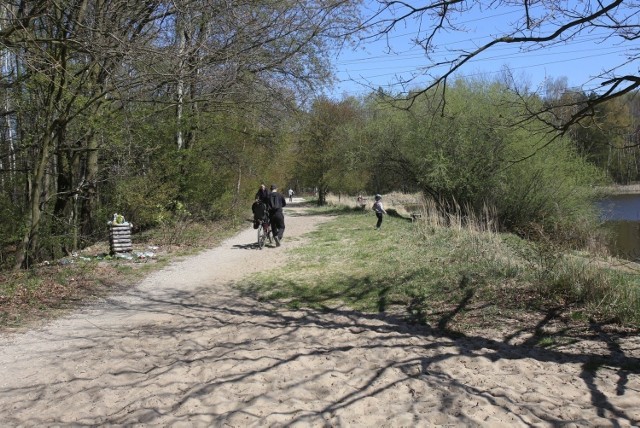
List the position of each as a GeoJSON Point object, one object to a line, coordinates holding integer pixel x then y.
{"type": "Point", "coordinates": [90, 200]}
{"type": "Point", "coordinates": [63, 211]}
{"type": "Point", "coordinates": [34, 212]}
{"type": "Point", "coordinates": [182, 41]}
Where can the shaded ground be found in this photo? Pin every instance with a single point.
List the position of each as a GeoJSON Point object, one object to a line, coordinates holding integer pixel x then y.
{"type": "Point", "coordinates": [184, 348]}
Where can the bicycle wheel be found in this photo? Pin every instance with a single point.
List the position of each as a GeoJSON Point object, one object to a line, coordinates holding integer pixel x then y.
{"type": "Point", "coordinates": [261, 237]}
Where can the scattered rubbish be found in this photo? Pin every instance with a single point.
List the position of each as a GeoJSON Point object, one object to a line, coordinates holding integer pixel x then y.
{"type": "Point", "coordinates": [76, 257]}
{"type": "Point", "coordinates": [135, 255]}
{"type": "Point", "coordinates": [145, 255]}
{"type": "Point", "coordinates": [125, 256]}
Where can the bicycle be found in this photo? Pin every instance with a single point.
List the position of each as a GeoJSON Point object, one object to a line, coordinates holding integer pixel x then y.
{"type": "Point", "coordinates": [264, 233]}
{"type": "Point", "coordinates": [262, 223]}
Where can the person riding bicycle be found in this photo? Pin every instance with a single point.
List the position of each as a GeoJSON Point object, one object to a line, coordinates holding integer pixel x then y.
{"type": "Point", "coordinates": [260, 213]}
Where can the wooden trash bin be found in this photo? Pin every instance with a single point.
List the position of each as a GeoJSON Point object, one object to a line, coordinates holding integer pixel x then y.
{"type": "Point", "coordinates": [120, 238]}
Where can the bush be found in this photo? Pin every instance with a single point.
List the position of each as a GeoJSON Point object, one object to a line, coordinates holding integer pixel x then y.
{"type": "Point", "coordinates": [469, 154]}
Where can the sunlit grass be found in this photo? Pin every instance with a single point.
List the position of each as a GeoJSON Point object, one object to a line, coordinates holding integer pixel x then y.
{"type": "Point", "coordinates": [451, 272]}
{"type": "Point", "coordinates": [394, 269]}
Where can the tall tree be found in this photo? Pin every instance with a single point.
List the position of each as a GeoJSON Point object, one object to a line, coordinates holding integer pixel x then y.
{"type": "Point", "coordinates": [323, 160]}
{"type": "Point", "coordinates": [85, 67]}
{"type": "Point", "coordinates": [70, 51]}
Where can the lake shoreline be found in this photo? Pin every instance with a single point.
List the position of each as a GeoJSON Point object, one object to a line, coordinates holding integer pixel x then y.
{"type": "Point", "coordinates": [621, 189]}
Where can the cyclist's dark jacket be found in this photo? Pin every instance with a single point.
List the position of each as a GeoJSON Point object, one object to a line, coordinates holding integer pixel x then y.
{"type": "Point", "coordinates": [259, 210]}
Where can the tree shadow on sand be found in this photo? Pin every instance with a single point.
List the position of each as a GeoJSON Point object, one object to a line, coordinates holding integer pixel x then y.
{"type": "Point", "coordinates": [210, 357]}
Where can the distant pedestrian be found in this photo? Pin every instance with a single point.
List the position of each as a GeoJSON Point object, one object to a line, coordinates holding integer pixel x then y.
{"type": "Point", "coordinates": [290, 195]}
{"type": "Point", "coordinates": [379, 209]}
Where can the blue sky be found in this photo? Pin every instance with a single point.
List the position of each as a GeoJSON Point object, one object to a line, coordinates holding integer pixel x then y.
{"type": "Point", "coordinates": [579, 61]}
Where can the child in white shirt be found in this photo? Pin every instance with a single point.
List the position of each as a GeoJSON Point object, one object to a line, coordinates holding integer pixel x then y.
{"type": "Point", "coordinates": [379, 209]}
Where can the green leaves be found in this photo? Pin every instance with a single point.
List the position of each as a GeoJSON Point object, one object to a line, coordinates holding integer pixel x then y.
{"type": "Point", "coordinates": [476, 150]}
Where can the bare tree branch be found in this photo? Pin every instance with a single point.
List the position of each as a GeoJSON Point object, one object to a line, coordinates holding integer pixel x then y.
{"type": "Point", "coordinates": [541, 25]}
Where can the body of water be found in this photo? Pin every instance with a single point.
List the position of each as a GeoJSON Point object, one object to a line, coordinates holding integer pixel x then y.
{"type": "Point", "coordinates": [621, 214]}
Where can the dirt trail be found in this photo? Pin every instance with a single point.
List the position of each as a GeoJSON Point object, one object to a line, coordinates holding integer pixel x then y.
{"type": "Point", "coordinates": [184, 349]}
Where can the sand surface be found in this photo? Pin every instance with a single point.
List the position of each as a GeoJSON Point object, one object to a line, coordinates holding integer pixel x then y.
{"type": "Point", "coordinates": [184, 349]}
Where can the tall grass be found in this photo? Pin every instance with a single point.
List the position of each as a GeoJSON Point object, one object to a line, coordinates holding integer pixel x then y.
{"type": "Point", "coordinates": [558, 276]}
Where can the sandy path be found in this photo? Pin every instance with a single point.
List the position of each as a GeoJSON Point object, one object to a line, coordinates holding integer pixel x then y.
{"type": "Point", "coordinates": [184, 349]}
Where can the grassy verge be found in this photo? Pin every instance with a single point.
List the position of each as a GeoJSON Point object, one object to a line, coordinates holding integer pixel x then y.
{"type": "Point", "coordinates": [52, 288]}
{"type": "Point", "coordinates": [459, 279]}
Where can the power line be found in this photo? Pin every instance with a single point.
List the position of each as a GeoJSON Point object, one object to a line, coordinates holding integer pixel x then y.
{"type": "Point", "coordinates": [415, 55]}
{"type": "Point", "coordinates": [595, 53]}
{"type": "Point", "coordinates": [411, 64]}
{"type": "Point", "coordinates": [416, 77]}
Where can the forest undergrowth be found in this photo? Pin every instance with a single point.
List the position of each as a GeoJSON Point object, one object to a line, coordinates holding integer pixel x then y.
{"type": "Point", "coordinates": [52, 288]}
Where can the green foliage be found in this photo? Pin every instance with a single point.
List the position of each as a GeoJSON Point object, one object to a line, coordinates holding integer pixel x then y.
{"type": "Point", "coordinates": [330, 156]}
{"type": "Point", "coordinates": [144, 202]}
{"type": "Point", "coordinates": [475, 151]}
{"type": "Point", "coordinates": [205, 184]}
{"type": "Point", "coordinates": [606, 137]}
{"type": "Point", "coordinates": [553, 188]}
{"type": "Point", "coordinates": [149, 179]}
